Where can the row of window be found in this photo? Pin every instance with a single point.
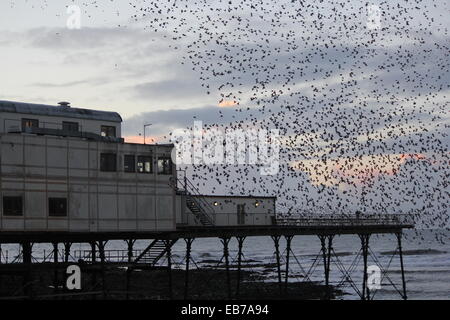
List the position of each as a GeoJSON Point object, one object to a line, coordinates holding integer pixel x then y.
{"type": "Point", "coordinates": [105, 131]}
{"type": "Point", "coordinates": [13, 207]}
{"type": "Point", "coordinates": [132, 163]}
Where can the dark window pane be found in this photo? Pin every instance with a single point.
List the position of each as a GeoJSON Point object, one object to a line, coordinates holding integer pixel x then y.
{"type": "Point", "coordinates": [57, 207]}
{"type": "Point", "coordinates": [12, 206]}
{"type": "Point", "coordinates": [108, 131]}
{"type": "Point", "coordinates": [108, 162]}
{"type": "Point", "coordinates": [30, 123]}
{"type": "Point", "coordinates": [129, 164]}
{"type": "Point", "coordinates": [144, 164]}
{"type": "Point", "coordinates": [164, 165]}
{"type": "Point", "coordinates": [70, 126]}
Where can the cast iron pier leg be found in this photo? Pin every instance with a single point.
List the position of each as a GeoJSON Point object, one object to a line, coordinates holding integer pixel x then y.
{"type": "Point", "coordinates": [93, 261]}
{"type": "Point", "coordinates": [55, 264]}
{"type": "Point", "coordinates": [399, 239]}
{"type": "Point", "coordinates": [169, 265]}
{"type": "Point", "coordinates": [225, 242]}
{"type": "Point", "coordinates": [26, 256]}
{"type": "Point", "coordinates": [101, 249]}
{"type": "Point", "coordinates": [129, 270]}
{"type": "Point", "coordinates": [365, 251]}
{"type": "Point", "coordinates": [326, 255]}
{"type": "Point", "coordinates": [276, 241]}
{"type": "Point", "coordinates": [240, 241]}
{"type": "Point", "coordinates": [288, 251]}
{"type": "Point", "coordinates": [93, 252]}
{"type": "Point", "coordinates": [130, 244]}
{"type": "Point", "coordinates": [67, 246]}
{"type": "Point", "coordinates": [188, 259]}
{"type": "Point", "coordinates": [330, 247]}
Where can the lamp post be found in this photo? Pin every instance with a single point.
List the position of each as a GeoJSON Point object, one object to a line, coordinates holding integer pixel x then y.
{"type": "Point", "coordinates": [145, 126]}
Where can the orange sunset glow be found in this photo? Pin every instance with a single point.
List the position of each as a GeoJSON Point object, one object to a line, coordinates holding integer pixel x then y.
{"type": "Point", "coordinates": [227, 103]}
{"type": "Point", "coordinates": [333, 172]}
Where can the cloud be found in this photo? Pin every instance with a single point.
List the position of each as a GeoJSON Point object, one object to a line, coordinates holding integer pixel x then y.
{"type": "Point", "coordinates": [164, 121]}
{"type": "Point", "coordinates": [173, 89]}
{"type": "Point", "coordinates": [59, 85]}
{"type": "Point", "coordinates": [65, 39]}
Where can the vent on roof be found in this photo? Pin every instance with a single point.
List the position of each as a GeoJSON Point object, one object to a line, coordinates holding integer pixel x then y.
{"type": "Point", "coordinates": [64, 104]}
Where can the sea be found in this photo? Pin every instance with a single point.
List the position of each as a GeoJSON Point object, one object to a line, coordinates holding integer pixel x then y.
{"type": "Point", "coordinates": [426, 256]}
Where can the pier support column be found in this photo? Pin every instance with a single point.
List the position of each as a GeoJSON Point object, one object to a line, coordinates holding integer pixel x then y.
{"type": "Point", "coordinates": [55, 265]}
{"type": "Point", "coordinates": [188, 260]}
{"type": "Point", "coordinates": [365, 251]}
{"type": "Point", "coordinates": [225, 242]}
{"type": "Point", "coordinates": [130, 244]}
{"type": "Point", "coordinates": [26, 258]}
{"type": "Point", "coordinates": [101, 250]}
{"type": "Point", "coordinates": [128, 276]}
{"type": "Point", "coordinates": [326, 242]}
{"type": "Point", "coordinates": [168, 244]}
{"type": "Point", "coordinates": [276, 241]}
{"type": "Point", "coordinates": [93, 252]}
{"type": "Point", "coordinates": [399, 239]}
{"type": "Point", "coordinates": [240, 241]}
{"type": "Point", "coordinates": [67, 246]}
{"type": "Point", "coordinates": [288, 252]}
{"type": "Point", "coordinates": [93, 261]}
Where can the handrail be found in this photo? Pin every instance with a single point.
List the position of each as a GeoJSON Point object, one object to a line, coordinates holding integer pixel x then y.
{"type": "Point", "coordinates": [42, 124]}
{"type": "Point", "coordinates": [58, 131]}
{"type": "Point", "coordinates": [346, 220]}
{"type": "Point", "coordinates": [191, 190]}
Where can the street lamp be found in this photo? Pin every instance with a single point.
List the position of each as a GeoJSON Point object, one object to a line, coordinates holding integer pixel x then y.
{"type": "Point", "coordinates": [146, 125]}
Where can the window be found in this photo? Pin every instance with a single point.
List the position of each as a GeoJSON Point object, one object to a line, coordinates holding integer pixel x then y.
{"type": "Point", "coordinates": [108, 131]}
{"type": "Point", "coordinates": [108, 162]}
{"type": "Point", "coordinates": [57, 207]}
{"type": "Point", "coordinates": [164, 165]}
{"type": "Point", "coordinates": [12, 206]}
{"type": "Point", "coordinates": [29, 123]}
{"type": "Point", "coordinates": [70, 126]}
{"type": "Point", "coordinates": [129, 164]}
{"type": "Point", "coordinates": [144, 164]}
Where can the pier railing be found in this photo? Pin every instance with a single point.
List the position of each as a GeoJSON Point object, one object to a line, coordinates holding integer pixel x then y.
{"type": "Point", "coordinates": [55, 129]}
{"type": "Point", "coordinates": [114, 255]}
{"type": "Point", "coordinates": [334, 220]}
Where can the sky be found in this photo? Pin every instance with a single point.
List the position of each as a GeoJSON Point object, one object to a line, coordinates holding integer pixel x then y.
{"type": "Point", "coordinates": [356, 107]}
{"type": "Point", "coordinates": [100, 66]}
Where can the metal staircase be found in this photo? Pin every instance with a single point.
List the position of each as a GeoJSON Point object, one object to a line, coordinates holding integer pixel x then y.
{"type": "Point", "coordinates": [154, 252]}
{"type": "Point", "coordinates": [196, 202]}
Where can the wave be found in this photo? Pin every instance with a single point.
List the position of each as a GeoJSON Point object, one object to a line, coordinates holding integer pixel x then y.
{"type": "Point", "coordinates": [344, 254]}
{"type": "Point", "coordinates": [416, 252]}
{"type": "Point", "coordinates": [445, 271]}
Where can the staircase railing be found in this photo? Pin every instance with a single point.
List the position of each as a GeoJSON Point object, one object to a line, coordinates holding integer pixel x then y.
{"type": "Point", "coordinates": [186, 187]}
{"type": "Point", "coordinates": [158, 248]}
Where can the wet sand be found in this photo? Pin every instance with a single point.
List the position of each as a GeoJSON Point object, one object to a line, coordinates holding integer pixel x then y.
{"type": "Point", "coordinates": [204, 284]}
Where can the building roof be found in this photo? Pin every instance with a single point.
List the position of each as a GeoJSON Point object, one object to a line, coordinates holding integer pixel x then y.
{"type": "Point", "coordinates": [58, 111]}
